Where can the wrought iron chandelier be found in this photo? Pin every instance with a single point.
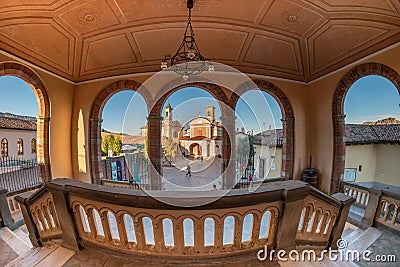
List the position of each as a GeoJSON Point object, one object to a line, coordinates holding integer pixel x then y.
{"type": "Point", "coordinates": [188, 59]}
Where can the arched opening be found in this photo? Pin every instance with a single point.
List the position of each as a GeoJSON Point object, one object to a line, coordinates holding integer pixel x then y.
{"type": "Point", "coordinates": [191, 157]}
{"type": "Point", "coordinates": [338, 114]}
{"type": "Point", "coordinates": [372, 119]}
{"type": "Point", "coordinates": [275, 131]}
{"type": "Point", "coordinates": [195, 150]}
{"type": "Point", "coordinates": [259, 137]}
{"type": "Point", "coordinates": [42, 114]}
{"type": "Point", "coordinates": [123, 116]}
{"type": "Point", "coordinates": [123, 144]}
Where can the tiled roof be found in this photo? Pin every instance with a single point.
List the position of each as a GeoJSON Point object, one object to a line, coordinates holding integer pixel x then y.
{"type": "Point", "coordinates": [269, 137]}
{"type": "Point", "coordinates": [13, 123]}
{"type": "Point", "coordinates": [372, 134]}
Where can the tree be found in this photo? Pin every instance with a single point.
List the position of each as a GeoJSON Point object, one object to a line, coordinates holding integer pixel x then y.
{"type": "Point", "coordinates": [110, 142]}
{"type": "Point", "coordinates": [170, 150]}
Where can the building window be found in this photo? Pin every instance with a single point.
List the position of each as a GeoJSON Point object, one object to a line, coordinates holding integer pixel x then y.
{"type": "Point", "coordinates": [175, 134]}
{"type": "Point", "coordinates": [20, 146]}
{"type": "Point", "coordinates": [4, 147]}
{"type": "Point", "coordinates": [33, 146]}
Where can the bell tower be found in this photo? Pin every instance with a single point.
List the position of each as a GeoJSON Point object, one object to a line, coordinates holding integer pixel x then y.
{"type": "Point", "coordinates": [210, 113]}
{"type": "Point", "coordinates": [167, 121]}
{"type": "Point", "coordinates": [168, 113]}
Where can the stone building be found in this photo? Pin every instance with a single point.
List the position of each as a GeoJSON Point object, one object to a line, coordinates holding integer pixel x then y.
{"type": "Point", "coordinates": [18, 138]}
{"type": "Point", "coordinates": [203, 135]}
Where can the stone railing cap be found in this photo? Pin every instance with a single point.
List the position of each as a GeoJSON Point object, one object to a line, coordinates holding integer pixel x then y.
{"type": "Point", "coordinates": [343, 198]}
{"type": "Point", "coordinates": [187, 200]}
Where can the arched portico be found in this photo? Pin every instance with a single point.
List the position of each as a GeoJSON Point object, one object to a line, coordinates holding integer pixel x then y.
{"type": "Point", "coordinates": [338, 116]}
{"type": "Point", "coordinates": [101, 99]}
{"type": "Point", "coordinates": [43, 119]}
{"type": "Point", "coordinates": [287, 119]}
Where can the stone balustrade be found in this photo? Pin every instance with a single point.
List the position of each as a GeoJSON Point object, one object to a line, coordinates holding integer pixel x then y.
{"type": "Point", "coordinates": [388, 212]}
{"type": "Point", "coordinates": [318, 218]}
{"type": "Point", "coordinates": [209, 226]}
{"type": "Point", "coordinates": [381, 203]}
{"type": "Point", "coordinates": [360, 194]}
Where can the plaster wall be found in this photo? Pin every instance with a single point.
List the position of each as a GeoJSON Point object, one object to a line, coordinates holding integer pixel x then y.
{"type": "Point", "coordinates": [12, 137]}
{"type": "Point", "coordinates": [318, 107]}
{"type": "Point", "coordinates": [61, 96]}
{"type": "Point", "coordinates": [387, 164]}
{"type": "Point", "coordinates": [364, 155]}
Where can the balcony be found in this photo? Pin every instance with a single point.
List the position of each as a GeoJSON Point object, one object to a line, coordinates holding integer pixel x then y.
{"type": "Point", "coordinates": [231, 227]}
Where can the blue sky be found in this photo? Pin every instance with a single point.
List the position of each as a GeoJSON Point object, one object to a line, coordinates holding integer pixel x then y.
{"type": "Point", "coordinates": [370, 98]}
{"type": "Point", "coordinates": [17, 97]}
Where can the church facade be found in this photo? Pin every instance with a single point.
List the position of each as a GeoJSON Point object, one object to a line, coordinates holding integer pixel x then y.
{"type": "Point", "coordinates": [200, 137]}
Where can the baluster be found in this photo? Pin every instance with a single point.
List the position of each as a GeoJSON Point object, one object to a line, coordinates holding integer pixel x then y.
{"type": "Point", "coordinates": [92, 226]}
{"type": "Point", "coordinates": [41, 219]}
{"type": "Point", "coordinates": [123, 237]}
{"type": "Point", "coordinates": [36, 221]}
{"type": "Point", "coordinates": [46, 217]}
{"type": "Point", "coordinates": [106, 226]}
{"type": "Point", "coordinates": [317, 217]}
{"type": "Point", "coordinates": [273, 227]}
{"type": "Point", "coordinates": [237, 231]}
{"type": "Point", "coordinates": [140, 239]}
{"type": "Point", "coordinates": [179, 240]}
{"type": "Point", "coordinates": [78, 220]}
{"type": "Point", "coordinates": [256, 228]}
{"type": "Point", "coordinates": [54, 215]}
{"type": "Point", "coordinates": [219, 234]}
{"type": "Point", "coordinates": [306, 220]}
{"type": "Point", "coordinates": [323, 224]}
{"type": "Point", "coordinates": [199, 235]}
{"type": "Point", "coordinates": [158, 234]}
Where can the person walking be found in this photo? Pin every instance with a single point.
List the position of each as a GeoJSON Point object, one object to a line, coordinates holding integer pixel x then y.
{"type": "Point", "coordinates": [188, 171]}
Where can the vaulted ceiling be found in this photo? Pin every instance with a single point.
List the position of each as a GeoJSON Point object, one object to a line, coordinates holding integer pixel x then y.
{"type": "Point", "coordinates": [294, 39]}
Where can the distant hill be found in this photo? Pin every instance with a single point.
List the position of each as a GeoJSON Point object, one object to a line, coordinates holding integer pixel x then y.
{"type": "Point", "coordinates": [15, 116]}
{"type": "Point", "coordinates": [389, 120]}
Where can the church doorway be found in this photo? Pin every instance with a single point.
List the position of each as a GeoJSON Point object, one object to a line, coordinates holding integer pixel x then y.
{"type": "Point", "coordinates": [195, 149]}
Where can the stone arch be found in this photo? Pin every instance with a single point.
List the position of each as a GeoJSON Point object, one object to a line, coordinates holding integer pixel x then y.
{"type": "Point", "coordinates": [95, 121]}
{"type": "Point", "coordinates": [338, 116]}
{"type": "Point", "coordinates": [154, 119]}
{"type": "Point", "coordinates": [43, 119]}
{"type": "Point", "coordinates": [287, 119]}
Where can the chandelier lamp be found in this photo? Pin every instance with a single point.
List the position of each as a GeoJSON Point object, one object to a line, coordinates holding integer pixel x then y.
{"type": "Point", "coordinates": [187, 60]}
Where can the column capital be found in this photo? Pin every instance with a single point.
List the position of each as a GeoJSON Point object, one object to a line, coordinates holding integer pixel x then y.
{"type": "Point", "coordinates": [43, 118]}
{"type": "Point", "coordinates": [154, 118]}
{"type": "Point", "coordinates": [287, 120]}
{"type": "Point", "coordinates": [96, 120]}
{"type": "Point", "coordinates": [339, 117]}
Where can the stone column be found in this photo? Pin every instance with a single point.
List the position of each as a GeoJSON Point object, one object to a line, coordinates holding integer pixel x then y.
{"type": "Point", "coordinates": [154, 150]}
{"type": "Point", "coordinates": [42, 143]}
{"type": "Point", "coordinates": [287, 148]}
{"type": "Point", "coordinates": [228, 149]}
{"type": "Point", "coordinates": [95, 150]}
{"type": "Point", "coordinates": [339, 151]}
{"type": "Point", "coordinates": [70, 237]}
{"type": "Point", "coordinates": [289, 220]}
{"type": "Point", "coordinates": [342, 218]}
{"type": "Point", "coordinates": [373, 204]}
{"type": "Point", "coordinates": [5, 213]}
